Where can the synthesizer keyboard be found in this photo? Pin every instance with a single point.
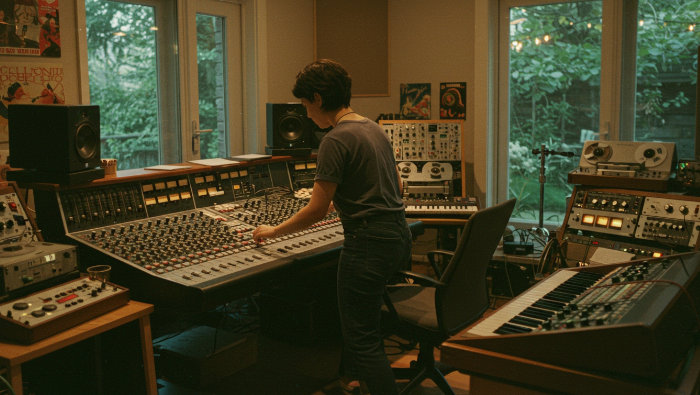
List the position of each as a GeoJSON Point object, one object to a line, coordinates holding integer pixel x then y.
{"type": "Point", "coordinates": [456, 207]}
{"type": "Point", "coordinates": [631, 318]}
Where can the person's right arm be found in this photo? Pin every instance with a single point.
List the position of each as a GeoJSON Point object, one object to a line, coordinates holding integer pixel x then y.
{"type": "Point", "coordinates": [321, 198]}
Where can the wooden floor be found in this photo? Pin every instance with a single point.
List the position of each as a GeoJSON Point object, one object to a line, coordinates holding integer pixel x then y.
{"type": "Point", "coordinates": [288, 366]}
{"type": "Point", "coordinates": [285, 368]}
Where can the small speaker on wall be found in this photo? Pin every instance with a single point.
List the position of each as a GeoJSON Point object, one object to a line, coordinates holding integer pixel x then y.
{"type": "Point", "coordinates": [289, 130]}
{"type": "Point", "coordinates": [55, 139]}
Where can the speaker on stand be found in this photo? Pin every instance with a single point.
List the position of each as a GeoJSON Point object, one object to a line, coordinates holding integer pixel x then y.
{"type": "Point", "coordinates": [54, 143]}
{"type": "Point", "coordinates": [289, 130]}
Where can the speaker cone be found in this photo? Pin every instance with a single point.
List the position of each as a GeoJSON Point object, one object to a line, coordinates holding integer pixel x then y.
{"type": "Point", "coordinates": [86, 141]}
{"type": "Point", "coordinates": [291, 128]}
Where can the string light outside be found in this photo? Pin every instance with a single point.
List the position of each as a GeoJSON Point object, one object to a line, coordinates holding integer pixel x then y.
{"type": "Point", "coordinates": [518, 46]}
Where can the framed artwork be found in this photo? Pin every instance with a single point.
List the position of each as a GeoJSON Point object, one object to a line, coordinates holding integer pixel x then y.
{"type": "Point", "coordinates": [21, 83]}
{"type": "Point", "coordinates": [453, 100]}
{"type": "Point", "coordinates": [414, 101]}
{"type": "Point", "coordinates": [30, 27]}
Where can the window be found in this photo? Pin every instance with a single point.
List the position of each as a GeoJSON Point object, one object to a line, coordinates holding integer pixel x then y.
{"type": "Point", "coordinates": [136, 64]}
{"type": "Point", "coordinates": [132, 75]}
{"type": "Point", "coordinates": [217, 113]}
{"type": "Point", "coordinates": [666, 61]}
{"type": "Point", "coordinates": [570, 77]}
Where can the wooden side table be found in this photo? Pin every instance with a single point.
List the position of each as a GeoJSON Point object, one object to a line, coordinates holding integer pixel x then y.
{"type": "Point", "coordinates": [12, 356]}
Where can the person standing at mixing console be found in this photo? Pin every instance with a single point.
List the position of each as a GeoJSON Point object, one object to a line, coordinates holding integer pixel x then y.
{"type": "Point", "coordinates": [357, 172]}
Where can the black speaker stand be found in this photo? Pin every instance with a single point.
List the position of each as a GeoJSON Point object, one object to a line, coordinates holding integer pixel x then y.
{"type": "Point", "coordinates": [296, 152]}
{"type": "Point", "coordinates": [35, 176]}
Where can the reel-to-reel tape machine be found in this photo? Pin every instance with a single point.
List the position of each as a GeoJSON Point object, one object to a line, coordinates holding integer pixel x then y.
{"type": "Point", "coordinates": [627, 164]}
{"type": "Point", "coordinates": [430, 171]}
{"type": "Point", "coordinates": [26, 262]}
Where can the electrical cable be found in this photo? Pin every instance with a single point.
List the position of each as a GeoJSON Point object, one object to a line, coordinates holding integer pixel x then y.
{"type": "Point", "coordinates": [7, 384]}
{"type": "Point", "coordinates": [505, 269]}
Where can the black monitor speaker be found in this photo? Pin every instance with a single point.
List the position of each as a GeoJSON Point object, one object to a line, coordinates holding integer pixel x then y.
{"type": "Point", "coordinates": [54, 138]}
{"type": "Point", "coordinates": [288, 127]}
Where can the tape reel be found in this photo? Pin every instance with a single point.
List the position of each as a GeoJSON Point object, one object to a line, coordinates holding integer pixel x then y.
{"type": "Point", "coordinates": [16, 250]}
{"type": "Point", "coordinates": [408, 169]}
{"type": "Point", "coordinates": [597, 151]}
{"type": "Point", "coordinates": [438, 170]}
{"type": "Point", "coordinates": [650, 154]}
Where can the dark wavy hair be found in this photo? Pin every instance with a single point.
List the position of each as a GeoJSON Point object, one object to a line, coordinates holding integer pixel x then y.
{"type": "Point", "coordinates": [327, 78]}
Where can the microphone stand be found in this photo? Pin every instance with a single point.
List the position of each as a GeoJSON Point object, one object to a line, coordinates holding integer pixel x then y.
{"type": "Point", "coordinates": [543, 152]}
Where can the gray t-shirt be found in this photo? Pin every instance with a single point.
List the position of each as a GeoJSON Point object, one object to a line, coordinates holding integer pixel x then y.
{"type": "Point", "coordinates": [357, 155]}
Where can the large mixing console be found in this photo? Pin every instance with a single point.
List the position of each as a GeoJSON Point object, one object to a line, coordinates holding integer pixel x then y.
{"type": "Point", "coordinates": [637, 318]}
{"type": "Point", "coordinates": [185, 238]}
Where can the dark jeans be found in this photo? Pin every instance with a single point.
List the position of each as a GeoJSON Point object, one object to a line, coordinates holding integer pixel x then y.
{"type": "Point", "coordinates": [374, 249]}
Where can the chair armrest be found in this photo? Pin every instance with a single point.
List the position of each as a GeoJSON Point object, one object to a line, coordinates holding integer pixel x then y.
{"type": "Point", "coordinates": [421, 279]}
{"type": "Point", "coordinates": [431, 258]}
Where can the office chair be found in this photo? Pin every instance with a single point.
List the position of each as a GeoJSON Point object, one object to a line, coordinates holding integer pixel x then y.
{"type": "Point", "coordinates": [429, 311]}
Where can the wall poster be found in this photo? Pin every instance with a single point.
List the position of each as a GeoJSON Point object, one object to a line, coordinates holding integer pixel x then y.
{"type": "Point", "coordinates": [29, 27]}
{"type": "Point", "coordinates": [415, 101]}
{"type": "Point", "coordinates": [40, 83]}
{"type": "Point", "coordinates": [453, 100]}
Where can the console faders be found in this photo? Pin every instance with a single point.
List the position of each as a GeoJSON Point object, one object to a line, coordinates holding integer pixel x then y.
{"type": "Point", "coordinates": [202, 245]}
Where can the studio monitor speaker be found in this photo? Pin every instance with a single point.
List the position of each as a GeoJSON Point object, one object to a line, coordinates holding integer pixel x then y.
{"type": "Point", "coordinates": [54, 138]}
{"type": "Point", "coordinates": [288, 127]}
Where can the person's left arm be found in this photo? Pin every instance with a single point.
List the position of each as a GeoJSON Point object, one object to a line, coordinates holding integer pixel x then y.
{"type": "Point", "coordinates": [321, 198]}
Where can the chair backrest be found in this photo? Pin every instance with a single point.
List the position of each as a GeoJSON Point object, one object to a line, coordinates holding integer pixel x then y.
{"type": "Point", "coordinates": [465, 297]}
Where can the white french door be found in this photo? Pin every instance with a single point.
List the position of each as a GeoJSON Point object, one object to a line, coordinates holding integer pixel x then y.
{"type": "Point", "coordinates": [212, 94]}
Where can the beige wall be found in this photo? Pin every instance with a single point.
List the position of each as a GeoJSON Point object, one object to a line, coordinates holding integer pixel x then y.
{"type": "Point", "coordinates": [429, 42]}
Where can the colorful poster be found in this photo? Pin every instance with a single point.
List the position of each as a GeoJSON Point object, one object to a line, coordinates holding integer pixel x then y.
{"type": "Point", "coordinates": [29, 27]}
{"type": "Point", "coordinates": [415, 101]}
{"type": "Point", "coordinates": [28, 84]}
{"type": "Point", "coordinates": [453, 100]}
